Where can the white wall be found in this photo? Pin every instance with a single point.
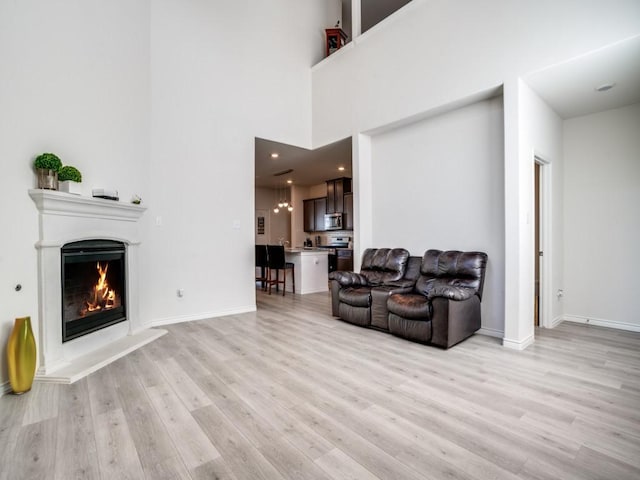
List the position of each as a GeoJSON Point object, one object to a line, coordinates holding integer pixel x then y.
{"type": "Point", "coordinates": [432, 55]}
{"type": "Point", "coordinates": [222, 74]}
{"type": "Point", "coordinates": [74, 80]}
{"type": "Point", "coordinates": [438, 184]}
{"type": "Point", "coordinates": [602, 217]}
{"type": "Point", "coordinates": [162, 99]}
{"type": "Point", "coordinates": [434, 52]}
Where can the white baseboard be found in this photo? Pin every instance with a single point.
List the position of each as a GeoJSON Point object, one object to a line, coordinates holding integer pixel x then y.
{"type": "Point", "coordinates": [518, 344]}
{"type": "Point", "coordinates": [600, 322]}
{"type": "Point", "coordinates": [557, 321]}
{"type": "Point", "coordinates": [491, 332]}
{"type": "Point", "coordinates": [202, 316]}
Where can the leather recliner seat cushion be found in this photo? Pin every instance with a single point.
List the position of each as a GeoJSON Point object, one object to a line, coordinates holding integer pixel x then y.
{"type": "Point", "coordinates": [356, 296]}
{"type": "Point", "coordinates": [412, 306]}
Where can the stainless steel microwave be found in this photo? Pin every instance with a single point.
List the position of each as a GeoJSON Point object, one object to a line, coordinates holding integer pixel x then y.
{"type": "Point", "coordinates": [333, 221]}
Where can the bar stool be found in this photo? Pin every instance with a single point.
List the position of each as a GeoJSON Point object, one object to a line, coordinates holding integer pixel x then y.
{"type": "Point", "coordinates": [276, 262]}
{"type": "Point", "coordinates": [262, 264]}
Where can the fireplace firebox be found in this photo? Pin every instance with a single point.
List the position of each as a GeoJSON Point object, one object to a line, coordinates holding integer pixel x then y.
{"type": "Point", "coordinates": [93, 286]}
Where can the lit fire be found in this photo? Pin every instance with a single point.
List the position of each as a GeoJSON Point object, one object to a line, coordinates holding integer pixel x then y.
{"type": "Point", "coordinates": [104, 298]}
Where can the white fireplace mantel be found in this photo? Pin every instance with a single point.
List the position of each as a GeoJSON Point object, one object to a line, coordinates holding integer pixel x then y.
{"type": "Point", "coordinates": [65, 218]}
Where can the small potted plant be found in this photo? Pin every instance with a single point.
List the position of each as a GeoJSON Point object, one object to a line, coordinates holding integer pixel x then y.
{"type": "Point", "coordinates": [70, 178]}
{"type": "Point", "coordinates": [47, 166]}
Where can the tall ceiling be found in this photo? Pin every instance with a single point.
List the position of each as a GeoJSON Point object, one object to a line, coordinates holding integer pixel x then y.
{"type": "Point", "coordinates": [570, 87]}
{"type": "Point", "coordinates": [309, 167]}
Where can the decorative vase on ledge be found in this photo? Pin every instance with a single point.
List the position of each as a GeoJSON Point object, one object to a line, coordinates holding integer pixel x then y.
{"type": "Point", "coordinates": [47, 179]}
{"type": "Point", "coordinates": [21, 356]}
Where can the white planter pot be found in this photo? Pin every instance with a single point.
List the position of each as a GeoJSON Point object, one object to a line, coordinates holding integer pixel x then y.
{"type": "Point", "coordinates": [70, 187]}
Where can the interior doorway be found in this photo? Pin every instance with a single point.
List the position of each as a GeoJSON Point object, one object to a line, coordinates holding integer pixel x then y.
{"type": "Point", "coordinates": [542, 243]}
{"type": "Point", "coordinates": [537, 253]}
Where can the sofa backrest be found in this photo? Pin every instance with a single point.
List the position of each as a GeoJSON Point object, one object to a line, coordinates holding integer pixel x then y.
{"type": "Point", "coordinates": [413, 268]}
{"type": "Point", "coordinates": [452, 268]}
{"type": "Point", "coordinates": [382, 265]}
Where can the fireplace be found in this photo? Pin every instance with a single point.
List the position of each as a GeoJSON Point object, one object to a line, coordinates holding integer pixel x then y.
{"type": "Point", "coordinates": [95, 241]}
{"type": "Point", "coordinates": [93, 286]}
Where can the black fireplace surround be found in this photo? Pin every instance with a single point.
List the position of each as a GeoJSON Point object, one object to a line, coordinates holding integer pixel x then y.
{"type": "Point", "coordinates": [93, 286]}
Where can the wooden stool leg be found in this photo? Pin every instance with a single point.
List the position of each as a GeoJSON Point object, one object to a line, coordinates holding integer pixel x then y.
{"type": "Point", "coordinates": [284, 281]}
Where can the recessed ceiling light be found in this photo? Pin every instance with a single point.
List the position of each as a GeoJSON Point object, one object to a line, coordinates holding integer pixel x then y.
{"type": "Point", "coordinates": [275, 155]}
{"type": "Point", "coordinates": [341, 169]}
{"type": "Point", "coordinates": [604, 87]}
{"type": "Point", "coordinates": [289, 181]}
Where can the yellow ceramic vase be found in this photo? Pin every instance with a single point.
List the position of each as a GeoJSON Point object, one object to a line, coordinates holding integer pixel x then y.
{"type": "Point", "coordinates": [21, 356]}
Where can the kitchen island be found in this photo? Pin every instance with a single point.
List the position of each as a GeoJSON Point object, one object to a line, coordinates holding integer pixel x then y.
{"type": "Point", "coordinates": [311, 267]}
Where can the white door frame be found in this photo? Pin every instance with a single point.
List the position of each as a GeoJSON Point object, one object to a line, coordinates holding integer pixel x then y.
{"type": "Point", "coordinates": [546, 292]}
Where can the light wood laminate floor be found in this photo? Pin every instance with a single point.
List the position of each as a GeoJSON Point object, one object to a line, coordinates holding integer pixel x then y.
{"type": "Point", "coordinates": [291, 393]}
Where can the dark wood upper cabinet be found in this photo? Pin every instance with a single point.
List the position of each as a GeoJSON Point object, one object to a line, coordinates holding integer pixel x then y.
{"type": "Point", "coordinates": [309, 215]}
{"type": "Point", "coordinates": [347, 220]}
{"type": "Point", "coordinates": [335, 194]}
{"type": "Point", "coordinates": [320, 205]}
{"type": "Point", "coordinates": [336, 201]}
{"type": "Point", "coordinates": [331, 192]}
{"type": "Point", "coordinates": [313, 214]}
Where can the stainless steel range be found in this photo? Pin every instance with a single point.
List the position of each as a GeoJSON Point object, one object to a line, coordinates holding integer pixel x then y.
{"type": "Point", "coordinates": [340, 255]}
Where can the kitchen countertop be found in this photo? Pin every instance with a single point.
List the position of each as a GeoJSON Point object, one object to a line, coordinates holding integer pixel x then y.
{"type": "Point", "coordinates": [306, 250]}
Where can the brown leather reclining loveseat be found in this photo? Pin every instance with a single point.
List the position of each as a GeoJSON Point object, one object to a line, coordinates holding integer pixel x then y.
{"type": "Point", "coordinates": [361, 298]}
{"type": "Point", "coordinates": [434, 299]}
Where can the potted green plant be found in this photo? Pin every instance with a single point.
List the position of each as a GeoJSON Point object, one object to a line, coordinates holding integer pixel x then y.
{"type": "Point", "coordinates": [47, 166]}
{"type": "Point", "coordinates": [70, 178]}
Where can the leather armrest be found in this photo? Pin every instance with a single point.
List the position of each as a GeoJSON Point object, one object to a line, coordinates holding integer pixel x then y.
{"type": "Point", "coordinates": [451, 292]}
{"type": "Point", "coordinates": [348, 279]}
{"type": "Point", "coordinates": [454, 320]}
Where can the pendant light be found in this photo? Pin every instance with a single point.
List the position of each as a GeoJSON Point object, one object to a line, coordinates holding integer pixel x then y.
{"type": "Point", "coordinates": [282, 200]}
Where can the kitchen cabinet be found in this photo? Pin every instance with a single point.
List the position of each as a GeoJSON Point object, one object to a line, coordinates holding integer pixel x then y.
{"type": "Point", "coordinates": [335, 194]}
{"type": "Point", "coordinates": [320, 205]}
{"type": "Point", "coordinates": [313, 214]}
{"type": "Point", "coordinates": [347, 219]}
{"type": "Point", "coordinates": [310, 270]}
{"type": "Point", "coordinates": [309, 215]}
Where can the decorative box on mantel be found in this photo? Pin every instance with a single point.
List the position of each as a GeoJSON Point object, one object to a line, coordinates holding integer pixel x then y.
{"type": "Point", "coordinates": [66, 218]}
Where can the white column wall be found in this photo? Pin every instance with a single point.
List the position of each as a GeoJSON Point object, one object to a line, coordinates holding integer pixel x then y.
{"type": "Point", "coordinates": [531, 128]}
